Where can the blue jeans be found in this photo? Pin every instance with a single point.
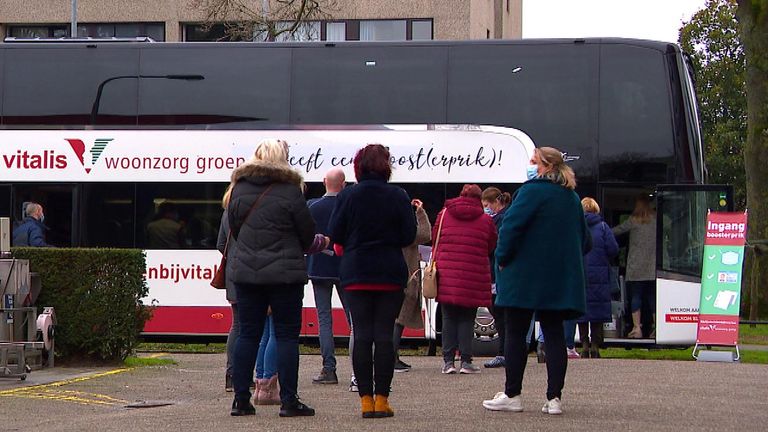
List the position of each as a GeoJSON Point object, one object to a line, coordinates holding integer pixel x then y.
{"type": "Point", "coordinates": [643, 293]}
{"type": "Point", "coordinates": [266, 360]}
{"type": "Point", "coordinates": [323, 289]}
{"type": "Point", "coordinates": [252, 303]}
{"type": "Point", "coordinates": [234, 333]}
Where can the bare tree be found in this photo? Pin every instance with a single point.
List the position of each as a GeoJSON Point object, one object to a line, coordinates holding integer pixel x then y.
{"type": "Point", "coordinates": [265, 20]}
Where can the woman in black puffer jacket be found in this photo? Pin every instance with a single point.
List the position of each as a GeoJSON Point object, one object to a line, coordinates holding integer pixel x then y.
{"type": "Point", "coordinates": [269, 219]}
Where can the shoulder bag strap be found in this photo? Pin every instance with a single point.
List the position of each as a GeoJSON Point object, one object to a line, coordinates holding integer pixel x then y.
{"type": "Point", "coordinates": [253, 206]}
{"type": "Point", "coordinates": [437, 240]}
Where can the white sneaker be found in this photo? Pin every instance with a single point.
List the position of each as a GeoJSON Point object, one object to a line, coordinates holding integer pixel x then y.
{"type": "Point", "coordinates": [572, 354]}
{"type": "Point", "coordinates": [502, 402]}
{"type": "Point", "coordinates": [552, 407]}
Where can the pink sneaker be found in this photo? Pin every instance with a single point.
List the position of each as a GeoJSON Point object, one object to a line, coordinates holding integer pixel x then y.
{"type": "Point", "coordinates": [572, 354]}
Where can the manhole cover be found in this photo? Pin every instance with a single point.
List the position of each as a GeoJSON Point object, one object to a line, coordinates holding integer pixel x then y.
{"type": "Point", "coordinates": [148, 404]}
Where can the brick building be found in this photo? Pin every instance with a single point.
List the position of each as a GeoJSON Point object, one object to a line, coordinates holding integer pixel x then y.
{"type": "Point", "coordinates": [177, 20]}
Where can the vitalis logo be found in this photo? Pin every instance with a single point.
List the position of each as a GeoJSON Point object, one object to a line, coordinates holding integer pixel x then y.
{"type": "Point", "coordinates": [97, 148]}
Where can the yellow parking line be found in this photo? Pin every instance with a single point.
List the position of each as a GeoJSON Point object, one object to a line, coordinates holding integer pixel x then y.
{"type": "Point", "coordinates": [52, 391]}
{"type": "Point", "coordinates": [63, 382]}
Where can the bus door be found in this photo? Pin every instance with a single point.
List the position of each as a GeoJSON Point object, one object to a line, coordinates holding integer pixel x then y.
{"type": "Point", "coordinates": [681, 224]}
{"type": "Point", "coordinates": [58, 201]}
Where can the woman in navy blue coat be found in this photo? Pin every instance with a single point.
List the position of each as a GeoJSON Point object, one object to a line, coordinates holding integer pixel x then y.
{"type": "Point", "coordinates": [598, 268]}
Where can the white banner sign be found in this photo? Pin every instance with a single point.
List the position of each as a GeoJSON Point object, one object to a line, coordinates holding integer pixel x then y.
{"type": "Point", "coordinates": [420, 153]}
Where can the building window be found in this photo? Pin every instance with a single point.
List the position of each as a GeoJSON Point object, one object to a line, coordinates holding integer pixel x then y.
{"type": "Point", "coordinates": [336, 31]}
{"type": "Point", "coordinates": [94, 30]}
{"type": "Point", "coordinates": [383, 30]}
{"type": "Point", "coordinates": [332, 31]}
{"type": "Point", "coordinates": [421, 30]}
{"type": "Point", "coordinates": [38, 31]}
{"type": "Point", "coordinates": [507, 6]}
{"type": "Point", "coordinates": [306, 31]}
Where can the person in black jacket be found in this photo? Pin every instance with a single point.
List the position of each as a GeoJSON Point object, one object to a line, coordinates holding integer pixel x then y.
{"type": "Point", "coordinates": [370, 224]}
{"type": "Point", "coordinates": [272, 227]}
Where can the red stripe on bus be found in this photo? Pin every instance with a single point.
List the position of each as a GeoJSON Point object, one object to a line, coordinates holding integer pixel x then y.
{"type": "Point", "coordinates": [216, 320]}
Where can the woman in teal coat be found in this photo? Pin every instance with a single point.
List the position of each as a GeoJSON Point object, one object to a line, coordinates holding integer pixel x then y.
{"type": "Point", "coordinates": [539, 256]}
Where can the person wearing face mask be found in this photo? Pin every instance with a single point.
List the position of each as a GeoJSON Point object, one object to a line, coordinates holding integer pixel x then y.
{"type": "Point", "coordinates": [495, 203]}
{"type": "Point", "coordinates": [540, 269]}
{"type": "Point", "coordinates": [32, 230]}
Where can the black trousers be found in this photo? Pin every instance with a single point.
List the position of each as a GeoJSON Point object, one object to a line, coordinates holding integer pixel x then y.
{"type": "Point", "coordinates": [516, 350]}
{"type": "Point", "coordinates": [373, 318]}
{"type": "Point", "coordinates": [499, 322]}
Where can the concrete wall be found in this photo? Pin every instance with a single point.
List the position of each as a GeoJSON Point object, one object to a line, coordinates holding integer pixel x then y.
{"type": "Point", "coordinates": [453, 19]}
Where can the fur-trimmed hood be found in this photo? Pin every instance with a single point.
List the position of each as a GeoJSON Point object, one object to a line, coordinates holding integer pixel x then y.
{"type": "Point", "coordinates": [280, 173]}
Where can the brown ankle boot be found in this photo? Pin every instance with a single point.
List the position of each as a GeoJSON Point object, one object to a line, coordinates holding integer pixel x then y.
{"type": "Point", "coordinates": [367, 405]}
{"type": "Point", "coordinates": [268, 392]}
{"type": "Point", "coordinates": [382, 408]}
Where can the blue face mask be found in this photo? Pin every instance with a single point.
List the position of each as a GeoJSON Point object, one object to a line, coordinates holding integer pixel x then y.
{"type": "Point", "coordinates": [488, 211]}
{"type": "Point", "coordinates": [532, 171]}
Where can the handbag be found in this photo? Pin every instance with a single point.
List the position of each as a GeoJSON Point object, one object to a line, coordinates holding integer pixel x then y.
{"type": "Point", "coordinates": [429, 278]}
{"type": "Point", "coordinates": [219, 280]}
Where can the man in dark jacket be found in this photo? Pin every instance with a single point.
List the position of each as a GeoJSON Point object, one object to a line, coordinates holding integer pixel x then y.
{"type": "Point", "coordinates": [323, 270]}
{"type": "Point", "coordinates": [32, 230]}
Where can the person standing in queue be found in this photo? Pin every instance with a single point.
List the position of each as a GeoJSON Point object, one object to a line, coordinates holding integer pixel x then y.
{"type": "Point", "coordinates": [541, 269]}
{"type": "Point", "coordinates": [410, 312]}
{"type": "Point", "coordinates": [272, 228]}
{"type": "Point", "coordinates": [371, 223]}
{"type": "Point", "coordinates": [495, 202]}
{"type": "Point", "coordinates": [641, 264]}
{"type": "Point", "coordinates": [598, 268]}
{"type": "Point", "coordinates": [323, 269]}
{"type": "Point", "coordinates": [467, 236]}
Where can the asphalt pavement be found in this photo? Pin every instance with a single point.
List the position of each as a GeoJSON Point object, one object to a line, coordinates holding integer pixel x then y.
{"type": "Point", "coordinates": [600, 395]}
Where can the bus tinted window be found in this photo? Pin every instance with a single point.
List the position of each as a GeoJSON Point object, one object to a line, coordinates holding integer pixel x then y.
{"type": "Point", "coordinates": [544, 90]}
{"type": "Point", "coordinates": [191, 210]}
{"type": "Point", "coordinates": [58, 86]}
{"type": "Point", "coordinates": [369, 85]}
{"type": "Point", "coordinates": [240, 84]}
{"type": "Point", "coordinates": [635, 119]}
{"type": "Point", "coordinates": [109, 215]}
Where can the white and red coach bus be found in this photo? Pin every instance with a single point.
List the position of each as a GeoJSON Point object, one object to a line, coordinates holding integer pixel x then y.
{"type": "Point", "coordinates": [148, 123]}
{"type": "Point", "coordinates": [118, 179]}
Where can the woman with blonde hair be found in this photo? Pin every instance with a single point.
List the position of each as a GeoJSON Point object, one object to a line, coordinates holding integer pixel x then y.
{"type": "Point", "coordinates": [598, 270]}
{"type": "Point", "coordinates": [641, 262]}
{"type": "Point", "coordinates": [272, 229]}
{"type": "Point", "coordinates": [540, 265]}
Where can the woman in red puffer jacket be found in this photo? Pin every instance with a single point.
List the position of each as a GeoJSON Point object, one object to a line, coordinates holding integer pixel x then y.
{"type": "Point", "coordinates": [467, 238]}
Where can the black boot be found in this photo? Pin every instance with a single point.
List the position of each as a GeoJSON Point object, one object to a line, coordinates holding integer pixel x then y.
{"type": "Point", "coordinates": [242, 408]}
{"type": "Point", "coordinates": [296, 409]}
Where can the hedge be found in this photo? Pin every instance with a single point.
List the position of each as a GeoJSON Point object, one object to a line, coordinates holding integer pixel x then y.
{"type": "Point", "coordinates": [97, 296]}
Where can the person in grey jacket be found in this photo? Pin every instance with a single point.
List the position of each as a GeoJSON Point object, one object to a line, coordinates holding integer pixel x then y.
{"type": "Point", "coordinates": [641, 262]}
{"type": "Point", "coordinates": [272, 229]}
